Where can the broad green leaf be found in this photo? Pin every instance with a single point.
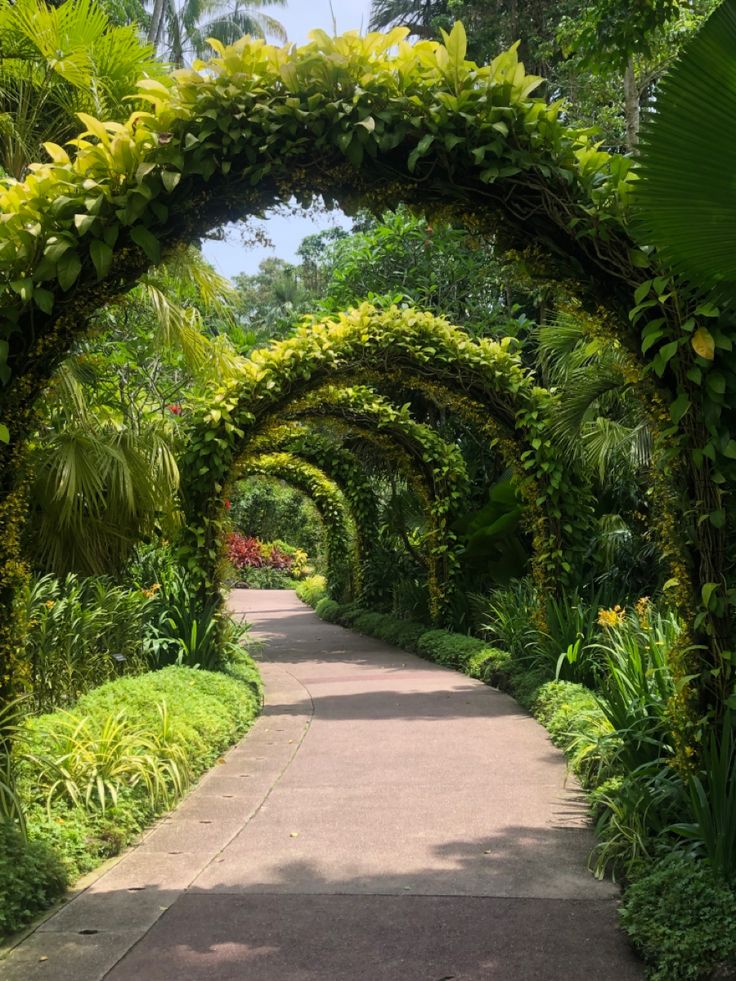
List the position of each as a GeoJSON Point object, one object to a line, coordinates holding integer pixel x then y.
{"type": "Point", "coordinates": [147, 241]}
{"type": "Point", "coordinates": [101, 255]}
{"type": "Point", "coordinates": [68, 269]}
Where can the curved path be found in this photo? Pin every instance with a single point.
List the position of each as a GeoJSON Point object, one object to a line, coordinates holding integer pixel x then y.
{"type": "Point", "coordinates": [385, 820]}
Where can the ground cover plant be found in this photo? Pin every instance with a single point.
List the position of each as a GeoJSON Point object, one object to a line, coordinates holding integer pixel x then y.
{"type": "Point", "coordinates": [90, 778]}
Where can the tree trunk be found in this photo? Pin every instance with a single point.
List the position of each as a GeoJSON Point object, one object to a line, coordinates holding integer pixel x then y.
{"type": "Point", "coordinates": [154, 30]}
{"type": "Point", "coordinates": [632, 108]}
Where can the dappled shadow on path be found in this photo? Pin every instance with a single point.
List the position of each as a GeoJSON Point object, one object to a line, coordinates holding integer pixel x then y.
{"type": "Point", "coordinates": [302, 925]}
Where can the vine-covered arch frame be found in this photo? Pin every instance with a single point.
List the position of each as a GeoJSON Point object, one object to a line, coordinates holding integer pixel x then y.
{"type": "Point", "coordinates": [387, 122]}
{"type": "Point", "coordinates": [278, 380]}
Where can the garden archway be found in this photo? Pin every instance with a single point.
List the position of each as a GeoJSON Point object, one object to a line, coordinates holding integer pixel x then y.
{"type": "Point", "coordinates": [387, 122]}
{"type": "Point", "coordinates": [281, 379]}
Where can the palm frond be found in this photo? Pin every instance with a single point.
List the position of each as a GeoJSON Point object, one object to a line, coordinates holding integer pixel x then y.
{"type": "Point", "coordinates": [607, 443]}
{"type": "Point", "coordinates": [685, 198]}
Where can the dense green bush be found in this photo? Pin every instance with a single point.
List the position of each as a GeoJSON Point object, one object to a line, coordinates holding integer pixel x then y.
{"type": "Point", "coordinates": [266, 578]}
{"type": "Point", "coordinates": [189, 716]}
{"type": "Point", "coordinates": [454, 650]}
{"type": "Point", "coordinates": [31, 877]}
{"type": "Point", "coordinates": [327, 609]}
{"type": "Point", "coordinates": [312, 589]}
{"type": "Point", "coordinates": [681, 919]}
{"type": "Point", "coordinates": [74, 627]}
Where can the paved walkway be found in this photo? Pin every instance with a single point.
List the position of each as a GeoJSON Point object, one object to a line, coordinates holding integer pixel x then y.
{"type": "Point", "coordinates": [385, 820]}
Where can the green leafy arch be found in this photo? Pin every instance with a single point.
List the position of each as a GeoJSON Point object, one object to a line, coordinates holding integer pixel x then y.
{"type": "Point", "coordinates": [343, 557]}
{"type": "Point", "coordinates": [438, 464]}
{"type": "Point", "coordinates": [345, 469]}
{"type": "Point", "coordinates": [279, 382]}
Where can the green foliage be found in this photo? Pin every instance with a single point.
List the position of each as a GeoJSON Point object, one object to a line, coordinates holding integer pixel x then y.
{"type": "Point", "coordinates": [712, 799]}
{"type": "Point", "coordinates": [685, 168]}
{"type": "Point", "coordinates": [31, 878]}
{"type": "Point", "coordinates": [74, 627]}
{"type": "Point", "coordinates": [639, 686]}
{"type": "Point", "coordinates": [680, 918]}
{"type": "Point", "coordinates": [57, 61]}
{"type": "Point", "coordinates": [343, 570]}
{"type": "Point", "coordinates": [426, 264]}
{"type": "Point", "coordinates": [266, 578]}
{"type": "Point", "coordinates": [328, 609]}
{"type": "Point", "coordinates": [86, 762]}
{"type": "Point", "coordinates": [409, 340]}
{"type": "Point", "coordinates": [122, 755]}
{"type": "Point", "coordinates": [158, 176]}
{"type": "Point", "coordinates": [268, 509]}
{"type": "Point", "coordinates": [492, 545]}
{"type": "Point", "coordinates": [507, 616]}
{"type": "Point", "coordinates": [312, 589]}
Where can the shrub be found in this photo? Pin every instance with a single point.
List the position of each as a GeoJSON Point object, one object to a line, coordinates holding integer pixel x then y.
{"type": "Point", "coordinates": [75, 626]}
{"type": "Point", "coordinates": [444, 647]}
{"type": "Point", "coordinates": [114, 733]}
{"type": "Point", "coordinates": [312, 589]}
{"type": "Point", "coordinates": [680, 918]}
{"type": "Point", "coordinates": [31, 878]}
{"type": "Point", "coordinates": [327, 609]}
{"type": "Point", "coordinates": [244, 552]}
{"type": "Point", "coordinates": [265, 578]}
{"type": "Point", "coordinates": [185, 631]}
{"type": "Point", "coordinates": [400, 633]}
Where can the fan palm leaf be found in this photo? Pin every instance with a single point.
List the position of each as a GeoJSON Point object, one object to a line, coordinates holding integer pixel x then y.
{"type": "Point", "coordinates": [685, 199]}
{"type": "Point", "coordinates": [56, 62]}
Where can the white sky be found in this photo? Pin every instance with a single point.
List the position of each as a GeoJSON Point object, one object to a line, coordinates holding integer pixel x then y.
{"type": "Point", "coordinates": [286, 232]}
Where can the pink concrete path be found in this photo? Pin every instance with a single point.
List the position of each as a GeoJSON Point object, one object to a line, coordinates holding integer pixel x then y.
{"type": "Point", "coordinates": [385, 820]}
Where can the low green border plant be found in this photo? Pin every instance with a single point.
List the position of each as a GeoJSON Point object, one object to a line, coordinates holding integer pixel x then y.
{"type": "Point", "coordinates": [75, 820]}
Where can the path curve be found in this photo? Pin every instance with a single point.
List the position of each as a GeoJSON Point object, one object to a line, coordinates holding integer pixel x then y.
{"type": "Point", "coordinates": [386, 819]}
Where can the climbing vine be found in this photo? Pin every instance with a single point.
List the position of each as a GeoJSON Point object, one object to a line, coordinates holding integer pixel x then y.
{"type": "Point", "coordinates": [343, 559]}
{"type": "Point", "coordinates": [345, 469]}
{"type": "Point", "coordinates": [388, 122]}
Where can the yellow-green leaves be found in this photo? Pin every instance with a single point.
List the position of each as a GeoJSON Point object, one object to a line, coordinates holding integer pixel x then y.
{"type": "Point", "coordinates": [703, 343]}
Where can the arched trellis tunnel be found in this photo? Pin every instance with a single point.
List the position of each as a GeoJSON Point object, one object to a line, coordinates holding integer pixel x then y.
{"type": "Point", "coordinates": [343, 565]}
{"type": "Point", "coordinates": [299, 379]}
{"type": "Point", "coordinates": [424, 456]}
{"type": "Point", "coordinates": [380, 124]}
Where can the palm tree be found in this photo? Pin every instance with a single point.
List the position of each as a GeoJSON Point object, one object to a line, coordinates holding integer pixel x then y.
{"type": "Point", "coordinates": [179, 30]}
{"type": "Point", "coordinates": [103, 462]}
{"type": "Point", "coordinates": [56, 62]}
{"type": "Point", "coordinates": [418, 15]}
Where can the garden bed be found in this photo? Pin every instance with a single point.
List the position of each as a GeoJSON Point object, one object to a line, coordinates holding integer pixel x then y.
{"type": "Point", "coordinates": [93, 778]}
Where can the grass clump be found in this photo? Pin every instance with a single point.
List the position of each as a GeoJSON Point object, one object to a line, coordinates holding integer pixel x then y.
{"type": "Point", "coordinates": [311, 590]}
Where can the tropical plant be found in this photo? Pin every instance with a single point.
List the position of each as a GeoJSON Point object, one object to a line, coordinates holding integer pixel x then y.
{"type": "Point", "coordinates": [184, 632]}
{"type": "Point", "coordinates": [85, 763]}
{"type": "Point", "coordinates": [57, 61]}
{"type": "Point", "coordinates": [81, 633]}
{"type": "Point", "coordinates": [507, 616]}
{"type": "Point", "coordinates": [180, 30]}
{"type": "Point", "coordinates": [684, 198]}
{"type": "Point", "coordinates": [712, 803]}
